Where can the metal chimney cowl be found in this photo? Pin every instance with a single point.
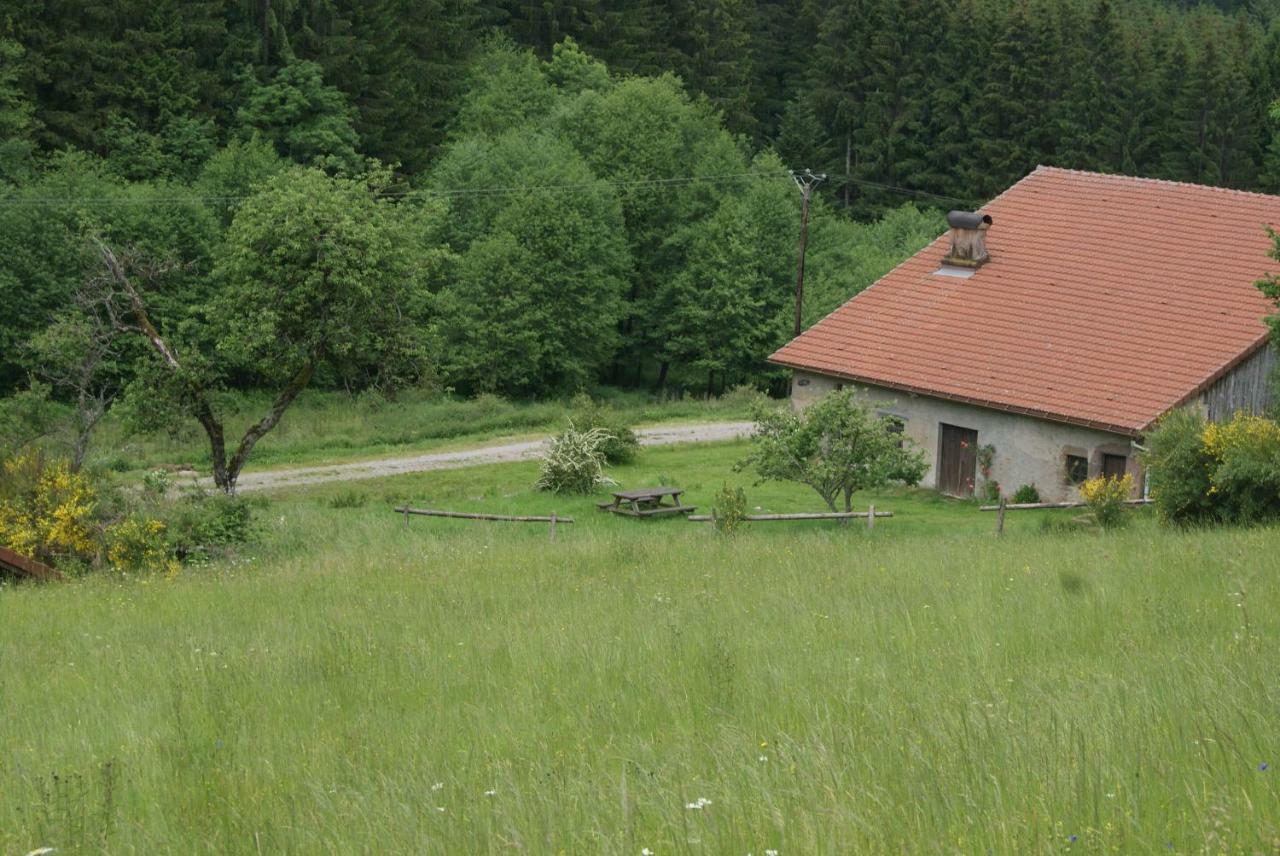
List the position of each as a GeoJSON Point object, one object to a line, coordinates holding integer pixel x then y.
{"type": "Point", "coordinates": [968, 239]}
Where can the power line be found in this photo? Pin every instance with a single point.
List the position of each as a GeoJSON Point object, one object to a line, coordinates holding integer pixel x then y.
{"type": "Point", "coordinates": [576, 187]}
{"type": "Point", "coordinates": [463, 192]}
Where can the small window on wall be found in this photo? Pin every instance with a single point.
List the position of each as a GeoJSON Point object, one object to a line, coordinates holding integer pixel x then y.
{"type": "Point", "coordinates": [1077, 468]}
{"type": "Point", "coordinates": [1115, 466]}
{"type": "Point", "coordinates": [895, 425]}
{"type": "Point", "coordinates": [839, 387]}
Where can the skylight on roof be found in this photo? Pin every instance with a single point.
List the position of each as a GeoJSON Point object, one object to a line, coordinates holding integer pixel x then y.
{"type": "Point", "coordinates": [956, 271]}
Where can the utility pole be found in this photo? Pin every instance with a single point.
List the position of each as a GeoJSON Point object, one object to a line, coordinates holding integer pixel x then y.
{"type": "Point", "coordinates": [806, 181]}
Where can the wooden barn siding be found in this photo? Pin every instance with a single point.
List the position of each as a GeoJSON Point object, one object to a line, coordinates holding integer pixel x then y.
{"type": "Point", "coordinates": [1246, 387]}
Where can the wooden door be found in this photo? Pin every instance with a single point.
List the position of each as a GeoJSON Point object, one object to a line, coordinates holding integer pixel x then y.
{"type": "Point", "coordinates": [1115, 466]}
{"type": "Point", "coordinates": [957, 460]}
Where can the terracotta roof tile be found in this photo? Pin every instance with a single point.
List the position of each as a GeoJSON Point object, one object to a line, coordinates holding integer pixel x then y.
{"type": "Point", "coordinates": [1107, 301]}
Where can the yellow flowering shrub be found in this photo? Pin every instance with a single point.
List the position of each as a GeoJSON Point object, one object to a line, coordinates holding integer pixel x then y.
{"type": "Point", "coordinates": [1221, 439]}
{"type": "Point", "coordinates": [1244, 471]}
{"type": "Point", "coordinates": [46, 511]}
{"type": "Point", "coordinates": [1105, 496]}
{"type": "Point", "coordinates": [139, 545]}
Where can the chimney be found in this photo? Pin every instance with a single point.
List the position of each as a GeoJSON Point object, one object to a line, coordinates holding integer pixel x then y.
{"type": "Point", "coordinates": [968, 239]}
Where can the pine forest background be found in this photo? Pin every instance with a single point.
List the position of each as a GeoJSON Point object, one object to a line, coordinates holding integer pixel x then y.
{"type": "Point", "coordinates": [594, 191]}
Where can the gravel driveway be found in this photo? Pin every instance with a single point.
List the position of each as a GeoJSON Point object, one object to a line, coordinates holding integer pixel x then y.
{"type": "Point", "coordinates": [659, 436]}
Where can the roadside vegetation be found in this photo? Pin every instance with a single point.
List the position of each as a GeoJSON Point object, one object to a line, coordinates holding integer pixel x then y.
{"type": "Point", "coordinates": [331, 427]}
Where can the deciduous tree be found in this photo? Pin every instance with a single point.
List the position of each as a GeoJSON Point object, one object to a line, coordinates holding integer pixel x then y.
{"type": "Point", "coordinates": [316, 273]}
{"type": "Point", "coordinates": [837, 446]}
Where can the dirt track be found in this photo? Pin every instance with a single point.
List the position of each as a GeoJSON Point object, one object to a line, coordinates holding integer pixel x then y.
{"type": "Point", "coordinates": [660, 436]}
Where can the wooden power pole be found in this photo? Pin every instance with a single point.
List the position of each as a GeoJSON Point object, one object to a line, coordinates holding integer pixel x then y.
{"type": "Point", "coordinates": [806, 181]}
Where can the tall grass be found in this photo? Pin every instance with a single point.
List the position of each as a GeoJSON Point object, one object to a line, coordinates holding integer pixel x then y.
{"type": "Point", "coordinates": [458, 688]}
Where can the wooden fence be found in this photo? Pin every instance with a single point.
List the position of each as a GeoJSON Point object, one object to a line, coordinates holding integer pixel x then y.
{"type": "Point", "coordinates": [553, 520]}
{"type": "Point", "coordinates": [870, 514]}
{"type": "Point", "coordinates": [1032, 506]}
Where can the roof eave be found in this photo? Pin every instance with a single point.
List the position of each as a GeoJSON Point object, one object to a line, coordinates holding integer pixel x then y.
{"type": "Point", "coordinates": [990, 404]}
{"type": "Point", "coordinates": [1218, 375]}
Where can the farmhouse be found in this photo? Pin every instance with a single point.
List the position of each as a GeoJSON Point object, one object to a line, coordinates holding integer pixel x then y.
{"type": "Point", "coordinates": [1046, 333]}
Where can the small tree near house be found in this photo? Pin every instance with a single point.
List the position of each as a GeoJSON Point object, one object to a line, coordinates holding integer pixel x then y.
{"type": "Point", "coordinates": [837, 446]}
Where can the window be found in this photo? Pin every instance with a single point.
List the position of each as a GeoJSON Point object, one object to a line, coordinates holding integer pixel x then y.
{"type": "Point", "coordinates": [839, 387]}
{"type": "Point", "coordinates": [1077, 468]}
{"type": "Point", "coordinates": [895, 425]}
{"type": "Point", "coordinates": [1115, 466]}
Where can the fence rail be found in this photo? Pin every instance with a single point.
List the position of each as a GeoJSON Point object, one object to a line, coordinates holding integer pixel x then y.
{"type": "Point", "coordinates": [502, 518]}
{"type": "Point", "coordinates": [870, 514]}
{"type": "Point", "coordinates": [1031, 506]}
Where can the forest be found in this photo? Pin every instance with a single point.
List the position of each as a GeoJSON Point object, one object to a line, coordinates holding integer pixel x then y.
{"type": "Point", "coordinates": [533, 198]}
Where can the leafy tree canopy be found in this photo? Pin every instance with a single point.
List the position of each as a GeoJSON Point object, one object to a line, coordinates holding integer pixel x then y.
{"type": "Point", "coordinates": [837, 446]}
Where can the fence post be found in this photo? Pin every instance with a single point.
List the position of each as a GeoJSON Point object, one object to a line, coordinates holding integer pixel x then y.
{"type": "Point", "coordinates": [553, 526]}
{"type": "Point", "coordinates": [1000, 518]}
{"type": "Point", "coordinates": [871, 517]}
{"type": "Point", "coordinates": [406, 515]}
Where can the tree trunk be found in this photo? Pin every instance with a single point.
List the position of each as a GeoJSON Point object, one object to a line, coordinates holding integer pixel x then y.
{"type": "Point", "coordinates": [89, 418]}
{"type": "Point", "coordinates": [662, 375]}
{"type": "Point", "coordinates": [259, 429]}
{"type": "Point", "coordinates": [199, 400]}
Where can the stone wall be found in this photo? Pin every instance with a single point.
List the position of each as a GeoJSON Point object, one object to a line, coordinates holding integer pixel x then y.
{"type": "Point", "coordinates": [1028, 450]}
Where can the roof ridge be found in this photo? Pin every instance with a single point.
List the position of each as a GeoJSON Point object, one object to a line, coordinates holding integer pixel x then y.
{"type": "Point", "coordinates": [1140, 179]}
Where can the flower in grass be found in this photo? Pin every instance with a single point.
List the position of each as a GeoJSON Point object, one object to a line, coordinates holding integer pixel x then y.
{"type": "Point", "coordinates": [1262, 768]}
{"type": "Point", "coordinates": [763, 758]}
{"type": "Point", "coordinates": [41, 851]}
{"type": "Point", "coordinates": [1073, 838]}
{"type": "Point", "coordinates": [437, 786]}
{"type": "Point", "coordinates": [771, 853]}
{"type": "Point", "coordinates": [698, 804]}
{"type": "Point", "coordinates": [646, 852]}
{"type": "Point", "coordinates": [490, 793]}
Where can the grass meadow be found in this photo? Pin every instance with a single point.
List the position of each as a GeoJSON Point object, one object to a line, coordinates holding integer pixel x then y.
{"type": "Point", "coordinates": [355, 684]}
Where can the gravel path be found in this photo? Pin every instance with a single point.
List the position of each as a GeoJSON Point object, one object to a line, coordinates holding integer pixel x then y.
{"type": "Point", "coordinates": [659, 436]}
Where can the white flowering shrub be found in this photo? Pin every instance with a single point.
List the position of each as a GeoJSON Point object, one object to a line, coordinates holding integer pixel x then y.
{"type": "Point", "coordinates": [574, 461]}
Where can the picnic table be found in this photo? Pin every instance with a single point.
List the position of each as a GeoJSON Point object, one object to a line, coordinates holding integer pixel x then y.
{"type": "Point", "coordinates": [647, 502]}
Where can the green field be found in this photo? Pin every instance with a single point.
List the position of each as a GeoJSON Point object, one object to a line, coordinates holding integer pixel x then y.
{"type": "Point", "coordinates": [353, 684]}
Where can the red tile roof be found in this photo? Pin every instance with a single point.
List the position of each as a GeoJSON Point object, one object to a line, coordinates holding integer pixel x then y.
{"type": "Point", "coordinates": [1107, 301]}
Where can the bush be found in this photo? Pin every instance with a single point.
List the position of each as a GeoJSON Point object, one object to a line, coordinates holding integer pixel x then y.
{"type": "Point", "coordinates": [1179, 468]}
{"type": "Point", "coordinates": [205, 523]}
{"type": "Point", "coordinates": [1105, 496]}
{"type": "Point", "coordinates": [588, 414]}
{"type": "Point", "coordinates": [1026, 494]}
{"type": "Point", "coordinates": [47, 511]}
{"type": "Point", "coordinates": [574, 462]}
{"type": "Point", "coordinates": [74, 522]}
{"type": "Point", "coordinates": [1203, 471]}
{"type": "Point", "coordinates": [729, 510]}
{"type": "Point", "coordinates": [1246, 476]}
{"type": "Point", "coordinates": [991, 490]}
{"type": "Point", "coordinates": [138, 544]}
